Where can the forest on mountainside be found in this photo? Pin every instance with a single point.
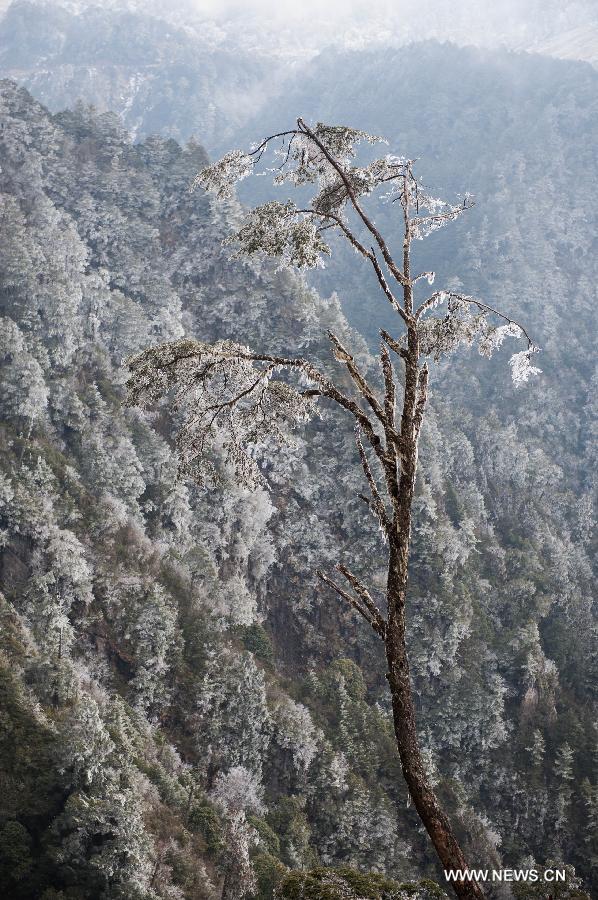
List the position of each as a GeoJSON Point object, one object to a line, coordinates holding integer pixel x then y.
{"type": "Point", "coordinates": [181, 703]}
{"type": "Point", "coordinates": [158, 76]}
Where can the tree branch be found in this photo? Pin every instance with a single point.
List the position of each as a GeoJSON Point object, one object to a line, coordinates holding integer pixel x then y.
{"type": "Point", "coordinates": [355, 604]}
{"type": "Point", "coordinates": [259, 150]}
{"type": "Point", "coordinates": [367, 254]}
{"type": "Point", "coordinates": [338, 222]}
{"type": "Point", "coordinates": [341, 353]}
{"type": "Point", "coordinates": [393, 439]}
{"type": "Point", "coordinates": [393, 344]}
{"type": "Point", "coordinates": [384, 285]}
{"type": "Point", "coordinates": [217, 407]}
{"type": "Point", "coordinates": [472, 301]}
{"type": "Point", "coordinates": [365, 597]}
{"type": "Point", "coordinates": [377, 502]}
{"type": "Point", "coordinates": [397, 274]}
{"type": "Point", "coordinates": [326, 389]}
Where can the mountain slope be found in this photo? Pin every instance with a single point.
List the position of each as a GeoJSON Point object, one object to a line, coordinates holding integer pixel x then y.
{"type": "Point", "coordinates": [159, 78]}
{"type": "Point", "coordinates": [186, 625]}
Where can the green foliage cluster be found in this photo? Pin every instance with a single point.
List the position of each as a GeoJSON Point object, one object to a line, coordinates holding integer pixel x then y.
{"type": "Point", "coordinates": [343, 883]}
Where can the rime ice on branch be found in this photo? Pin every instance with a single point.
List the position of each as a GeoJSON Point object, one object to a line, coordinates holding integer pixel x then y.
{"type": "Point", "coordinates": [239, 401]}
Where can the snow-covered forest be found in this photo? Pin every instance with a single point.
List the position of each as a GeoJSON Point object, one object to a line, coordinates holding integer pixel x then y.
{"type": "Point", "coordinates": [187, 711]}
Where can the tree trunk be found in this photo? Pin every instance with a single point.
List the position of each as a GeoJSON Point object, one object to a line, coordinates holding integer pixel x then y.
{"type": "Point", "coordinates": [434, 818]}
{"type": "Point", "coordinates": [430, 812]}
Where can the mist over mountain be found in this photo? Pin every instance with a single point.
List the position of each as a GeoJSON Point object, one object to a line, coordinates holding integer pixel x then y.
{"type": "Point", "coordinates": [158, 77]}
{"type": "Point", "coordinates": [187, 713]}
{"type": "Point", "coordinates": [299, 30]}
{"type": "Point", "coordinates": [205, 69]}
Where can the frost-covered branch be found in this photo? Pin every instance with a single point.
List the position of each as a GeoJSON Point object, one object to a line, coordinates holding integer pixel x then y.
{"type": "Point", "coordinates": [387, 291]}
{"type": "Point", "coordinates": [441, 213]}
{"type": "Point", "coordinates": [228, 399]}
{"type": "Point", "coordinates": [352, 193]}
{"type": "Point", "coordinates": [439, 336]}
{"type": "Point", "coordinates": [343, 355]}
{"type": "Point", "coordinates": [394, 345]}
{"type": "Point", "coordinates": [321, 155]}
{"type": "Point", "coordinates": [337, 222]}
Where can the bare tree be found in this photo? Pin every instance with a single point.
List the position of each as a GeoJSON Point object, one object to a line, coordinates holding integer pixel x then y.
{"type": "Point", "coordinates": [233, 407]}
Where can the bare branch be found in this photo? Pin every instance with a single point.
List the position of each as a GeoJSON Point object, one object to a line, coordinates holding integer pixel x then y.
{"type": "Point", "coordinates": [393, 344]}
{"type": "Point", "coordinates": [367, 254]}
{"type": "Point", "coordinates": [377, 502]}
{"type": "Point", "coordinates": [289, 148]}
{"type": "Point", "coordinates": [393, 438]}
{"type": "Point", "coordinates": [384, 285]}
{"type": "Point", "coordinates": [355, 604]}
{"type": "Point", "coordinates": [364, 595]}
{"type": "Point", "coordinates": [259, 150]}
{"type": "Point", "coordinates": [342, 354]}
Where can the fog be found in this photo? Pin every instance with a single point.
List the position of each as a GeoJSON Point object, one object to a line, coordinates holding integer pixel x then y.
{"type": "Point", "coordinates": [515, 23]}
{"type": "Point", "coordinates": [305, 26]}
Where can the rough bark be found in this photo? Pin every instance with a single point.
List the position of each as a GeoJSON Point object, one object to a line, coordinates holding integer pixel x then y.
{"type": "Point", "coordinates": [434, 818]}
{"type": "Point", "coordinates": [424, 799]}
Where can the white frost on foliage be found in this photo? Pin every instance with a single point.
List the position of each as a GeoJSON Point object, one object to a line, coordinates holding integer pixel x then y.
{"type": "Point", "coordinates": [85, 744]}
{"type": "Point", "coordinates": [23, 391]}
{"type": "Point", "coordinates": [238, 790]}
{"type": "Point", "coordinates": [279, 230]}
{"type": "Point", "coordinates": [233, 602]}
{"type": "Point", "coordinates": [233, 408]}
{"type": "Point", "coordinates": [295, 731]}
{"type": "Point", "coordinates": [521, 367]}
{"type": "Point", "coordinates": [495, 337]}
{"type": "Point", "coordinates": [233, 726]}
{"type": "Point", "coordinates": [221, 177]}
{"type": "Point", "coordinates": [338, 771]}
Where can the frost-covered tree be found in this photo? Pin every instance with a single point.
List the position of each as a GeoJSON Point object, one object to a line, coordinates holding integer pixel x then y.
{"type": "Point", "coordinates": [236, 793]}
{"type": "Point", "coordinates": [237, 403]}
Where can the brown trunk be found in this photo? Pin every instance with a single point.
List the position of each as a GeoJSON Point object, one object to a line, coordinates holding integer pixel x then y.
{"type": "Point", "coordinates": [432, 815]}
{"type": "Point", "coordinates": [430, 812]}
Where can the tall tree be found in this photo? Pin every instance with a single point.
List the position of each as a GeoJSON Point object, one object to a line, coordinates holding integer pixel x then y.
{"type": "Point", "coordinates": [233, 407]}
